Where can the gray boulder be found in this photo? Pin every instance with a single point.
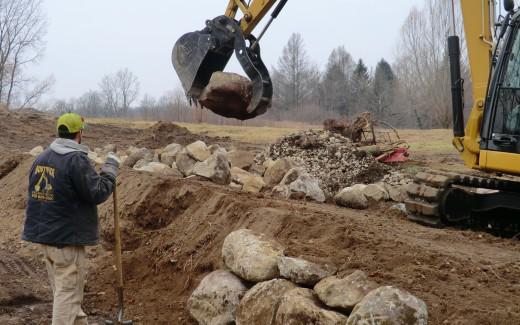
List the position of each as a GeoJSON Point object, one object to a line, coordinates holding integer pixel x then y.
{"type": "Point", "coordinates": [389, 306]}
{"type": "Point", "coordinates": [169, 153]}
{"type": "Point", "coordinates": [250, 182]}
{"type": "Point", "coordinates": [300, 306]}
{"type": "Point", "coordinates": [198, 151]}
{"type": "Point", "coordinates": [376, 192]}
{"type": "Point", "coordinates": [185, 163]}
{"type": "Point", "coordinates": [252, 256]}
{"type": "Point", "coordinates": [277, 170]}
{"type": "Point", "coordinates": [303, 272]}
{"type": "Point", "coordinates": [215, 300]}
{"type": "Point", "coordinates": [216, 168]}
{"type": "Point", "coordinates": [344, 293]}
{"type": "Point", "coordinates": [352, 197]}
{"type": "Point", "coordinates": [241, 159]}
{"type": "Point", "coordinates": [260, 303]}
{"type": "Point", "coordinates": [215, 148]}
{"type": "Point", "coordinates": [309, 185]}
{"type": "Point", "coordinates": [140, 154]}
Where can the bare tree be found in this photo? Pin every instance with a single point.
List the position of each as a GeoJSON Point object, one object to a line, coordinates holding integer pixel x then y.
{"type": "Point", "coordinates": [90, 104]}
{"type": "Point", "coordinates": [119, 91]}
{"type": "Point", "coordinates": [148, 106]}
{"type": "Point", "coordinates": [295, 78]}
{"type": "Point", "coordinates": [22, 28]}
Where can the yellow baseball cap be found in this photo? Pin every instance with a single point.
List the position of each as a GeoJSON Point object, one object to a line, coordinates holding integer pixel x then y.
{"type": "Point", "coordinates": [72, 121]}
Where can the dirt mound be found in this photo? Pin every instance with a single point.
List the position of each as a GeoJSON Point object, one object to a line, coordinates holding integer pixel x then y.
{"type": "Point", "coordinates": [330, 157]}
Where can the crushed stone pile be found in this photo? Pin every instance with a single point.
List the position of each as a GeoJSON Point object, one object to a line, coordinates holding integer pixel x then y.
{"type": "Point", "coordinates": [330, 157]}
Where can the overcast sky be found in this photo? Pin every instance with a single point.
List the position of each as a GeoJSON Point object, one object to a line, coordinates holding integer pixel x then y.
{"type": "Point", "coordinates": [89, 39]}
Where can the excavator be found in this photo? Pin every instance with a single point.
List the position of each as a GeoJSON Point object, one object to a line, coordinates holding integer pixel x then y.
{"type": "Point", "coordinates": [488, 140]}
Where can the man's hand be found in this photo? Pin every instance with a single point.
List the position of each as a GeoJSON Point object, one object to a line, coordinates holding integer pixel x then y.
{"type": "Point", "coordinates": [111, 166]}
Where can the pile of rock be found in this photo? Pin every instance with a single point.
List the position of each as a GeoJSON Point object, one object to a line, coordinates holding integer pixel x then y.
{"type": "Point", "coordinates": [327, 156]}
{"type": "Point", "coordinates": [262, 286]}
{"type": "Point", "coordinates": [360, 196]}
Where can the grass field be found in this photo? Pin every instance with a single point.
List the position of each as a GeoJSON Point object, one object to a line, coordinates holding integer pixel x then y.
{"type": "Point", "coordinates": [420, 141]}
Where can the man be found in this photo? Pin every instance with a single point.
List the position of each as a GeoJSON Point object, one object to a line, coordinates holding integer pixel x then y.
{"type": "Point", "coordinates": [61, 215]}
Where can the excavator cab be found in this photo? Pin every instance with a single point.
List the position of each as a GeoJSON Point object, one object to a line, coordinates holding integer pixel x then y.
{"type": "Point", "coordinates": [197, 55]}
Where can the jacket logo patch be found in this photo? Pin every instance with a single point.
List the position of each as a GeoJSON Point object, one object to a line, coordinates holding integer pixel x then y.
{"type": "Point", "coordinates": [43, 189]}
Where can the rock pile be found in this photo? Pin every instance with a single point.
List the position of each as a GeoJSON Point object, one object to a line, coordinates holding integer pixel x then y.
{"type": "Point", "coordinates": [262, 286]}
{"type": "Point", "coordinates": [327, 156]}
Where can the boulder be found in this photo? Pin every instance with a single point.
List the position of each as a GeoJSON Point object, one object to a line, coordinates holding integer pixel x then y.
{"type": "Point", "coordinates": [292, 175]}
{"type": "Point", "coordinates": [308, 185]}
{"type": "Point", "coordinates": [396, 192]}
{"type": "Point", "coordinates": [241, 159]}
{"type": "Point", "coordinates": [169, 153]}
{"type": "Point", "coordinates": [142, 153]}
{"type": "Point", "coordinates": [257, 169]}
{"type": "Point", "coordinates": [275, 173]}
{"type": "Point", "coordinates": [216, 168]}
{"type": "Point", "coordinates": [227, 94]}
{"type": "Point", "coordinates": [352, 197]}
{"type": "Point", "coordinates": [303, 272]}
{"type": "Point", "coordinates": [95, 158]}
{"type": "Point", "coordinates": [389, 305]}
{"type": "Point", "coordinates": [260, 303]}
{"type": "Point", "coordinates": [36, 151]}
{"type": "Point", "coordinates": [281, 191]}
{"type": "Point", "coordinates": [344, 293]}
{"type": "Point", "coordinates": [252, 256]}
{"type": "Point", "coordinates": [131, 150]}
{"type": "Point", "coordinates": [249, 182]}
{"type": "Point", "coordinates": [376, 192]}
{"type": "Point", "coordinates": [155, 167]}
{"type": "Point", "coordinates": [215, 148]}
{"type": "Point", "coordinates": [198, 151]}
{"type": "Point", "coordinates": [300, 306]}
{"type": "Point", "coordinates": [185, 163]}
{"type": "Point", "coordinates": [215, 300]}
{"type": "Point", "coordinates": [109, 148]}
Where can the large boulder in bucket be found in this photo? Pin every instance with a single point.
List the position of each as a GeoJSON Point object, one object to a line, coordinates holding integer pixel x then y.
{"type": "Point", "coordinates": [228, 94]}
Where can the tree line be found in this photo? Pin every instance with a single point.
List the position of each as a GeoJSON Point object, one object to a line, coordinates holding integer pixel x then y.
{"type": "Point", "coordinates": [412, 91]}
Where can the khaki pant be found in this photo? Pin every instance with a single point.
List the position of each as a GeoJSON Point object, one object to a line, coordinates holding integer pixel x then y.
{"type": "Point", "coordinates": [66, 270]}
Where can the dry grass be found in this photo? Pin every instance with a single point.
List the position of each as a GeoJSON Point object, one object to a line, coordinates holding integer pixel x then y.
{"type": "Point", "coordinates": [421, 141]}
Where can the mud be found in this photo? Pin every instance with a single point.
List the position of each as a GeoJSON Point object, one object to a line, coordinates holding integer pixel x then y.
{"type": "Point", "coordinates": [173, 231]}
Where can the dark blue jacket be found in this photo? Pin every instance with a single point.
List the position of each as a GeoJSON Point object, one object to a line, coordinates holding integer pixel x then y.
{"type": "Point", "coordinates": [64, 191]}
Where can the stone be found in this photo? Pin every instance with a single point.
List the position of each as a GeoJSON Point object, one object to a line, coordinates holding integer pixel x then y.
{"type": "Point", "coordinates": [260, 304]}
{"type": "Point", "coordinates": [215, 300]}
{"type": "Point", "coordinates": [109, 148]}
{"type": "Point", "coordinates": [236, 186]}
{"type": "Point", "coordinates": [300, 306]}
{"type": "Point", "coordinates": [95, 158]}
{"type": "Point", "coordinates": [252, 256]}
{"type": "Point", "coordinates": [275, 173]}
{"type": "Point", "coordinates": [257, 169]}
{"type": "Point", "coordinates": [250, 182]}
{"type": "Point", "coordinates": [389, 305]}
{"type": "Point", "coordinates": [395, 192]}
{"type": "Point", "coordinates": [215, 148]}
{"type": "Point", "coordinates": [228, 94]}
{"type": "Point", "coordinates": [198, 151]}
{"type": "Point", "coordinates": [309, 185]}
{"type": "Point", "coordinates": [216, 168]}
{"type": "Point", "coordinates": [131, 150]}
{"type": "Point", "coordinates": [281, 191]}
{"type": "Point", "coordinates": [376, 192]}
{"type": "Point", "coordinates": [185, 163]}
{"type": "Point", "coordinates": [142, 153]}
{"type": "Point", "coordinates": [241, 159]}
{"type": "Point", "coordinates": [400, 207]}
{"type": "Point", "coordinates": [352, 197]}
{"type": "Point", "coordinates": [36, 151]}
{"type": "Point", "coordinates": [169, 153]}
{"type": "Point", "coordinates": [303, 272]}
{"type": "Point", "coordinates": [344, 293]}
{"type": "Point", "coordinates": [152, 167]}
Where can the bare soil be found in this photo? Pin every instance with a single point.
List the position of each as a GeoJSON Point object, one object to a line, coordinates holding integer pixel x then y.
{"type": "Point", "coordinates": [173, 231]}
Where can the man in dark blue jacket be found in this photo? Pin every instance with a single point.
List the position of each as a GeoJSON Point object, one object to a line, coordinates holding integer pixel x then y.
{"type": "Point", "coordinates": [61, 215]}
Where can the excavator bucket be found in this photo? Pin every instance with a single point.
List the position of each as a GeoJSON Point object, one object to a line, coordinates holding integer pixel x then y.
{"type": "Point", "coordinates": [197, 55]}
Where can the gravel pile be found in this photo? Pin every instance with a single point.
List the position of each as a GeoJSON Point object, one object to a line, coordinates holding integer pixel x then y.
{"type": "Point", "coordinates": [330, 157]}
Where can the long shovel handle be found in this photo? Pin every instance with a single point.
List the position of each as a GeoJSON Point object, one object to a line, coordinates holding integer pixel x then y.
{"type": "Point", "coordinates": [117, 235]}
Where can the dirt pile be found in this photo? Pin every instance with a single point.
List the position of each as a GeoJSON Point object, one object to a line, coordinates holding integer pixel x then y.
{"type": "Point", "coordinates": [328, 156]}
